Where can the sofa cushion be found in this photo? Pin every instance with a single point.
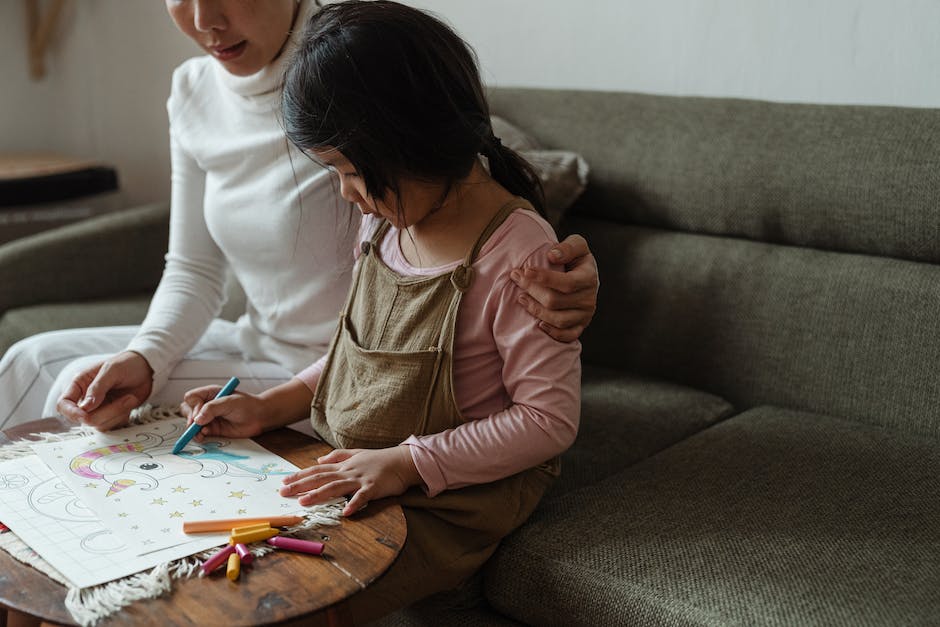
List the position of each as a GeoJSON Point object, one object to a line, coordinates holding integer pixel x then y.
{"type": "Point", "coordinates": [771, 517]}
{"type": "Point", "coordinates": [17, 324]}
{"type": "Point", "coordinates": [836, 177]}
{"type": "Point", "coordinates": [641, 416]}
{"type": "Point", "coordinates": [423, 614]}
{"type": "Point", "coordinates": [563, 174]}
{"type": "Point", "coordinates": [761, 324]}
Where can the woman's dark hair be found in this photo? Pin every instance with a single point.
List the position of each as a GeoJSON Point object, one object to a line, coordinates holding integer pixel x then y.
{"type": "Point", "coordinates": [399, 94]}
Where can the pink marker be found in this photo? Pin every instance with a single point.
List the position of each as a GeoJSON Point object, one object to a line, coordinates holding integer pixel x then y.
{"type": "Point", "coordinates": [217, 560]}
{"type": "Point", "coordinates": [293, 544]}
{"type": "Point", "coordinates": [244, 554]}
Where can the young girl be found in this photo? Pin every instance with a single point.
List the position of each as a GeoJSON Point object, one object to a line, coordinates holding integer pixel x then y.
{"type": "Point", "coordinates": [437, 386]}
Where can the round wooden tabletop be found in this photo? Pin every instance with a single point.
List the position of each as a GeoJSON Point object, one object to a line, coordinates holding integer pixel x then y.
{"type": "Point", "coordinates": [279, 587]}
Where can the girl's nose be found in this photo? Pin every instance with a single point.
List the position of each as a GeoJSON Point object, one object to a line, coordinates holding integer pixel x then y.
{"type": "Point", "coordinates": [349, 192]}
{"type": "Point", "coordinates": [208, 16]}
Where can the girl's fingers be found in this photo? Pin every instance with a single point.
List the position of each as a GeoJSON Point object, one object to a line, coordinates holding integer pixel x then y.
{"type": "Point", "coordinates": [201, 395]}
{"type": "Point", "coordinates": [309, 470]}
{"type": "Point", "coordinates": [359, 500]}
{"type": "Point", "coordinates": [335, 456]}
{"type": "Point", "coordinates": [329, 491]}
{"type": "Point", "coordinates": [310, 482]}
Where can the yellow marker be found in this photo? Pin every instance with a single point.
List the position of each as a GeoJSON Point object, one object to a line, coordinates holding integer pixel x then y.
{"type": "Point", "coordinates": [234, 566]}
{"type": "Point", "coordinates": [247, 528]}
{"type": "Point", "coordinates": [248, 537]}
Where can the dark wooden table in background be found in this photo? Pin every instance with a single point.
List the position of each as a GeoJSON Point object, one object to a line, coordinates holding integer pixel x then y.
{"type": "Point", "coordinates": [281, 587]}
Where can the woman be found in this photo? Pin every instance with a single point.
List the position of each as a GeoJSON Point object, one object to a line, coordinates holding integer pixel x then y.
{"type": "Point", "coordinates": [242, 200]}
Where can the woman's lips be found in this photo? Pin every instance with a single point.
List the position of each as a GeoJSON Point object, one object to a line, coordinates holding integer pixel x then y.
{"type": "Point", "coordinates": [229, 53]}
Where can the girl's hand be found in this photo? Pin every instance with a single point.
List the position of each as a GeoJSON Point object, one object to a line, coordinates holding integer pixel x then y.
{"type": "Point", "coordinates": [366, 474]}
{"type": "Point", "coordinates": [235, 416]}
{"type": "Point", "coordinates": [564, 301]}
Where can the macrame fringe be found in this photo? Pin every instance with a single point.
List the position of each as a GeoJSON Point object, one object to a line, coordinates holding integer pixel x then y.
{"type": "Point", "coordinates": [89, 605]}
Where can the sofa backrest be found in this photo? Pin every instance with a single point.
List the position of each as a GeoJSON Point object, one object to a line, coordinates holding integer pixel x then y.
{"type": "Point", "coordinates": [770, 253]}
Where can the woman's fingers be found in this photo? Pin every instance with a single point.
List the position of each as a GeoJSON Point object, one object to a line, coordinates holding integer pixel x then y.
{"type": "Point", "coordinates": [113, 413]}
{"type": "Point", "coordinates": [67, 405]}
{"type": "Point", "coordinates": [569, 249]}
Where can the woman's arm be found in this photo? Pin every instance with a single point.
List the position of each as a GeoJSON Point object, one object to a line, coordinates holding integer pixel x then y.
{"type": "Point", "coordinates": [192, 289]}
{"type": "Point", "coordinates": [564, 302]}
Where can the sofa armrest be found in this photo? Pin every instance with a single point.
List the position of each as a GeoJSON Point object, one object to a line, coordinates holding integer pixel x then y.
{"type": "Point", "coordinates": [105, 256]}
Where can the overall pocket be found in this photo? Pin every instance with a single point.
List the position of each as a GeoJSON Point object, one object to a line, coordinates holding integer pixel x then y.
{"type": "Point", "coordinates": [377, 399]}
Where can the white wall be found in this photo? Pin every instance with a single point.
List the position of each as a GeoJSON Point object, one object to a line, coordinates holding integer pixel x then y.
{"type": "Point", "coordinates": [831, 51]}
{"type": "Point", "coordinates": [110, 66]}
{"type": "Point", "coordinates": [104, 94]}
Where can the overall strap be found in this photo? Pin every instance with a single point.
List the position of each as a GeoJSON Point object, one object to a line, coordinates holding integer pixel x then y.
{"type": "Point", "coordinates": [462, 275]}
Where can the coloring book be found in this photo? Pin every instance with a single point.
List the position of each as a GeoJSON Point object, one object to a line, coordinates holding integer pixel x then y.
{"type": "Point", "coordinates": [45, 514]}
{"type": "Point", "coordinates": [143, 493]}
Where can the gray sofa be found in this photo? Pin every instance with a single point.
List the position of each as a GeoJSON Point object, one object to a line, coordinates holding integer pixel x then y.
{"type": "Point", "coordinates": [759, 438]}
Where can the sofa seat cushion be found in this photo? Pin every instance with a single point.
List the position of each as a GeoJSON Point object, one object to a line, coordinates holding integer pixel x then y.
{"type": "Point", "coordinates": [772, 517]}
{"type": "Point", "coordinates": [626, 418]}
{"type": "Point", "coordinates": [17, 324]}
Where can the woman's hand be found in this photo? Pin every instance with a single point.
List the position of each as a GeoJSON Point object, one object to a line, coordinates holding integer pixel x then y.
{"type": "Point", "coordinates": [104, 394]}
{"type": "Point", "coordinates": [564, 302]}
{"type": "Point", "coordinates": [235, 416]}
{"type": "Point", "coordinates": [366, 474]}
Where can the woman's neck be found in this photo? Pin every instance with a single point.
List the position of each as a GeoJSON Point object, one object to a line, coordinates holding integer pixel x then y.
{"type": "Point", "coordinates": [448, 233]}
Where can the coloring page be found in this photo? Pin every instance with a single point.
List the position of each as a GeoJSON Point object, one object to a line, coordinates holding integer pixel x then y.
{"type": "Point", "coordinates": [138, 489]}
{"type": "Point", "coordinates": [45, 514]}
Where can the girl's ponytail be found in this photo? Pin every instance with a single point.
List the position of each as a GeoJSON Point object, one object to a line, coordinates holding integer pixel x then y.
{"type": "Point", "coordinates": [513, 172]}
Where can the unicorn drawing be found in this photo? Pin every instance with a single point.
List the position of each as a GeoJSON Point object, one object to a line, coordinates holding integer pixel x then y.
{"type": "Point", "coordinates": [146, 463]}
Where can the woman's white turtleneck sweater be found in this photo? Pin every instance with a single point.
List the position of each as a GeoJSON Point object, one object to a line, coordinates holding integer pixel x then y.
{"type": "Point", "coordinates": [243, 199]}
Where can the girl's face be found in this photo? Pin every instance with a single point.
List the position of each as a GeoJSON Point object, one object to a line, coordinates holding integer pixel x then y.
{"type": "Point", "coordinates": [243, 35]}
{"type": "Point", "coordinates": [416, 199]}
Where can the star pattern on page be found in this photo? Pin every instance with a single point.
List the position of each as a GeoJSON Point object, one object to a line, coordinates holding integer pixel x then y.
{"type": "Point", "coordinates": [180, 488]}
{"type": "Point", "coordinates": [242, 510]}
{"type": "Point", "coordinates": [123, 515]}
{"type": "Point", "coordinates": [158, 501]}
{"type": "Point", "coordinates": [237, 495]}
{"type": "Point", "coordinates": [176, 515]}
{"type": "Point", "coordinates": [195, 503]}
{"type": "Point", "coordinates": [91, 485]}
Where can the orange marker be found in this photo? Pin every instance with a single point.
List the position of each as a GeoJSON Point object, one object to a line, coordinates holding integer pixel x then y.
{"type": "Point", "coordinates": [208, 526]}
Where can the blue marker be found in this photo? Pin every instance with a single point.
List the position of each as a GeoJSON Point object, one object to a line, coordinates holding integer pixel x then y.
{"type": "Point", "coordinates": [194, 428]}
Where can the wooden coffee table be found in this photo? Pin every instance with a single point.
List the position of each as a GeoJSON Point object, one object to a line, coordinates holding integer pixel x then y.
{"type": "Point", "coordinates": [280, 587]}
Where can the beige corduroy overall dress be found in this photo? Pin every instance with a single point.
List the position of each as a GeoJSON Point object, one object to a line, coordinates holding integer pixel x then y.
{"type": "Point", "coordinates": [390, 375]}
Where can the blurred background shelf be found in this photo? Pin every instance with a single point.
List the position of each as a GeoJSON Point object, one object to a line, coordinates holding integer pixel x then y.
{"type": "Point", "coordinates": [43, 191]}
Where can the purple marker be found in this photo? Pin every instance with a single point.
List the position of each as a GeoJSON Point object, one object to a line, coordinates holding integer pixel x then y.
{"type": "Point", "coordinates": [217, 560]}
{"type": "Point", "coordinates": [244, 554]}
{"type": "Point", "coordinates": [293, 544]}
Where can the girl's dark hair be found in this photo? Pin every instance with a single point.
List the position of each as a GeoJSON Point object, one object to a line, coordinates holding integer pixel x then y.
{"type": "Point", "coordinates": [399, 94]}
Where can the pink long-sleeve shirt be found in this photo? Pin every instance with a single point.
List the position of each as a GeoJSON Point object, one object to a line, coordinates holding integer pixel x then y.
{"type": "Point", "coordinates": [517, 388]}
